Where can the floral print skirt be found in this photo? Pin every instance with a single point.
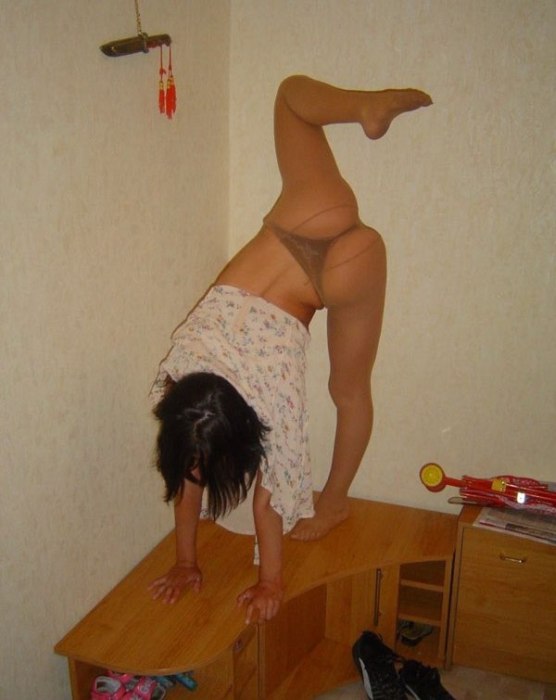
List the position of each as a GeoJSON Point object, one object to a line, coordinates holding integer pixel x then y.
{"type": "Point", "coordinates": [261, 350]}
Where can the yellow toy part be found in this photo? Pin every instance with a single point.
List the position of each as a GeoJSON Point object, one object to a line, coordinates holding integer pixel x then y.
{"type": "Point", "coordinates": [498, 484]}
{"type": "Point", "coordinates": [432, 476]}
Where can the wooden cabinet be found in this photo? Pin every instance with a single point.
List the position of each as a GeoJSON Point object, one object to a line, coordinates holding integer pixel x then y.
{"type": "Point", "coordinates": [504, 602]}
{"type": "Point", "coordinates": [384, 564]}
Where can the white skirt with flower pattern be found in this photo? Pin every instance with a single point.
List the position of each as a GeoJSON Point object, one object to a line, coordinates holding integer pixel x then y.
{"type": "Point", "coordinates": [261, 350]}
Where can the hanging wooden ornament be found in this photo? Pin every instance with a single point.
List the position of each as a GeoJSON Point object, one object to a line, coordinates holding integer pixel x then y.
{"type": "Point", "coordinates": [135, 44]}
{"type": "Point", "coordinates": [142, 43]}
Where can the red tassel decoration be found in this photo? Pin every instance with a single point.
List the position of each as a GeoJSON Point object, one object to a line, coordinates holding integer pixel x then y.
{"type": "Point", "coordinates": [161, 94]}
{"type": "Point", "coordinates": [170, 89]}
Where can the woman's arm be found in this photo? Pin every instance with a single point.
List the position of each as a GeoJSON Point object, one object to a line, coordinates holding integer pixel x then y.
{"type": "Point", "coordinates": [264, 598]}
{"type": "Point", "coordinates": [185, 573]}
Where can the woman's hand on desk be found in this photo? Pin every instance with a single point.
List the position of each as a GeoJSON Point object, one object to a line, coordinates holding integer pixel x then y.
{"type": "Point", "coordinates": [262, 601]}
{"type": "Point", "coordinates": [170, 587]}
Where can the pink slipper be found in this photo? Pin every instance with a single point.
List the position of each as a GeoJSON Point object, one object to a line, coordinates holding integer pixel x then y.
{"type": "Point", "coordinates": [146, 689]}
{"type": "Point", "coordinates": [126, 679]}
{"type": "Point", "coordinates": [106, 688]}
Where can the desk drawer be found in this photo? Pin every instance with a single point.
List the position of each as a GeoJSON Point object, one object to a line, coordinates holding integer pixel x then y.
{"type": "Point", "coordinates": [506, 606]}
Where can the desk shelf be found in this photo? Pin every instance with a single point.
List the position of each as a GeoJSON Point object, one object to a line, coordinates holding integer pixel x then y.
{"type": "Point", "coordinates": [421, 606]}
{"type": "Point", "coordinates": [424, 596]}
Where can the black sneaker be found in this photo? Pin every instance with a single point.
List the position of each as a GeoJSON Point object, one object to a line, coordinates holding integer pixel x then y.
{"type": "Point", "coordinates": [375, 662]}
{"type": "Point", "coordinates": [423, 682]}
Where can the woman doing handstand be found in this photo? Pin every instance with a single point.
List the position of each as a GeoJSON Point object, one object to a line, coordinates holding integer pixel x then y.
{"type": "Point", "coordinates": [230, 394]}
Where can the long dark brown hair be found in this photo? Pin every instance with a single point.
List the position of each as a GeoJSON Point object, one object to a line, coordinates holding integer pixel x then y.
{"type": "Point", "coordinates": [206, 425]}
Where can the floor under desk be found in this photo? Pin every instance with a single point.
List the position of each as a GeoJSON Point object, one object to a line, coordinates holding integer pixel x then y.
{"type": "Point", "coordinates": [468, 684]}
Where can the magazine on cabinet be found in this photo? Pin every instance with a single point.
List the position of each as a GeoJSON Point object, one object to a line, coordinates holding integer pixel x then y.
{"type": "Point", "coordinates": [521, 523]}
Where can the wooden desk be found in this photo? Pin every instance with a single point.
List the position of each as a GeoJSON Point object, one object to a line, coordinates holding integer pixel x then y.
{"type": "Point", "coordinates": [385, 563]}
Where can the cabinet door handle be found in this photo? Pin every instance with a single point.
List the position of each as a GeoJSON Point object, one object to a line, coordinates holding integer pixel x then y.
{"type": "Point", "coordinates": [515, 560]}
{"type": "Point", "coordinates": [378, 582]}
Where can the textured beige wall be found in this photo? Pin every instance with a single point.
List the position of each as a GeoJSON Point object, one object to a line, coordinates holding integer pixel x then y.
{"type": "Point", "coordinates": [112, 221]}
{"type": "Point", "coordinates": [464, 195]}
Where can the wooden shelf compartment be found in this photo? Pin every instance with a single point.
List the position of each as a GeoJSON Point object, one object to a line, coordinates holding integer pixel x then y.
{"type": "Point", "coordinates": [214, 682]}
{"type": "Point", "coordinates": [328, 665]}
{"type": "Point", "coordinates": [305, 659]}
{"type": "Point", "coordinates": [429, 575]}
{"type": "Point", "coordinates": [423, 598]}
{"type": "Point", "coordinates": [233, 675]}
{"type": "Point", "coordinates": [314, 634]}
{"type": "Point", "coordinates": [420, 605]}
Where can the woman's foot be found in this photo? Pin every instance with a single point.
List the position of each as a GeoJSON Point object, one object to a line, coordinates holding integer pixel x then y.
{"type": "Point", "coordinates": [329, 513]}
{"type": "Point", "coordinates": [384, 106]}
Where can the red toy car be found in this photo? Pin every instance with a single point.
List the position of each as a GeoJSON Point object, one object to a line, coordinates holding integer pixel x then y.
{"type": "Point", "coordinates": [502, 491]}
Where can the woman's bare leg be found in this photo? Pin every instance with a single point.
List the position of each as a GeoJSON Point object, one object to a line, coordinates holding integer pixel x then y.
{"type": "Point", "coordinates": [353, 336]}
{"type": "Point", "coordinates": [310, 176]}
{"type": "Point", "coordinates": [311, 183]}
